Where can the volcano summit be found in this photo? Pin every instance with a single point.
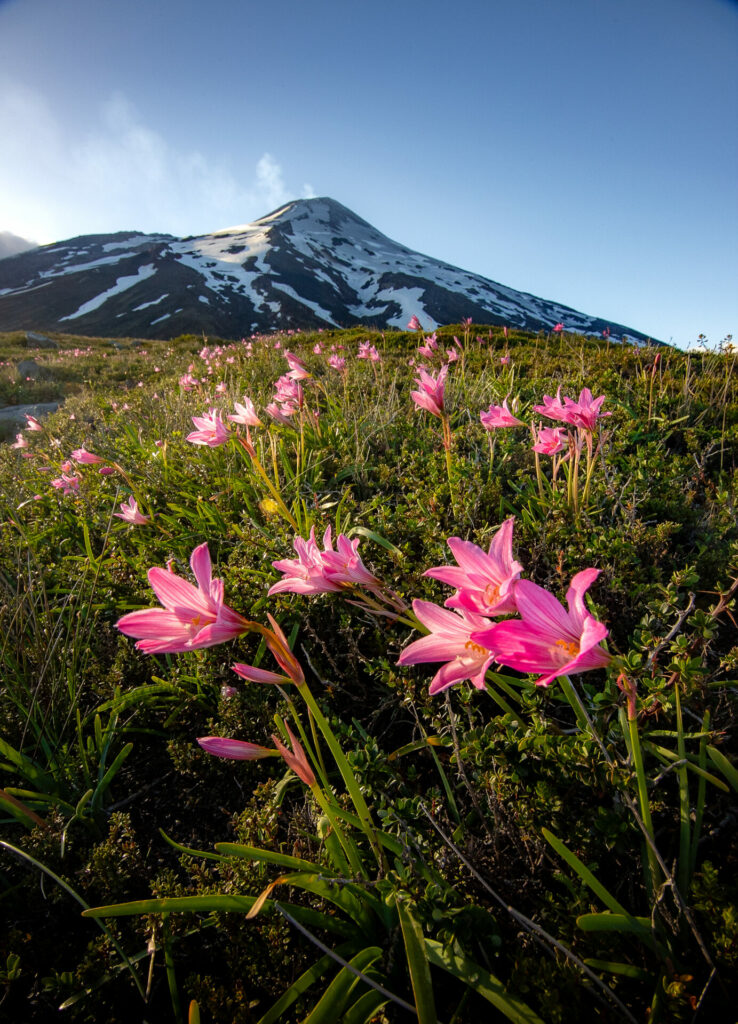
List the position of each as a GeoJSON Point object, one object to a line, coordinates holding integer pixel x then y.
{"type": "Point", "coordinates": [311, 263]}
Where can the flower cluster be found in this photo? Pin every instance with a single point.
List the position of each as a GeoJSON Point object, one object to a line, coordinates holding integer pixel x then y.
{"type": "Point", "coordinates": [547, 639]}
{"type": "Point", "coordinates": [431, 391]}
{"type": "Point", "coordinates": [368, 351]}
{"type": "Point", "coordinates": [321, 572]}
{"type": "Point", "coordinates": [583, 413]}
{"type": "Point", "coordinates": [288, 399]}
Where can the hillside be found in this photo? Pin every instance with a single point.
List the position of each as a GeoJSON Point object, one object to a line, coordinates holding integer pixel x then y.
{"type": "Point", "coordinates": [421, 647]}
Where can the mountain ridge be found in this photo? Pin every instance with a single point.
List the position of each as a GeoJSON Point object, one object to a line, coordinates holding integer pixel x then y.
{"type": "Point", "coordinates": [309, 263]}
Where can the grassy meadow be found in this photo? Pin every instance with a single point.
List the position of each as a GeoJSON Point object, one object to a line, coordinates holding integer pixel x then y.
{"type": "Point", "coordinates": [369, 851]}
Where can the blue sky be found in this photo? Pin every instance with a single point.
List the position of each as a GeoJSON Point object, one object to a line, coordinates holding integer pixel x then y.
{"type": "Point", "coordinates": [583, 150]}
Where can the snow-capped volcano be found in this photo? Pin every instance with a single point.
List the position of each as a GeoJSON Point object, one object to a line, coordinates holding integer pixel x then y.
{"type": "Point", "coordinates": [311, 263]}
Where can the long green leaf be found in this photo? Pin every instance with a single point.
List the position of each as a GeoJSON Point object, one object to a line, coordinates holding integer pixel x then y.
{"type": "Point", "coordinates": [640, 926]}
{"type": "Point", "coordinates": [365, 1009]}
{"type": "Point", "coordinates": [627, 970]}
{"type": "Point", "coordinates": [27, 768]}
{"type": "Point", "coordinates": [174, 905]}
{"type": "Point", "coordinates": [110, 775]}
{"type": "Point", "coordinates": [302, 984]}
{"type": "Point", "coordinates": [584, 873]}
{"type": "Point", "coordinates": [484, 984]}
{"type": "Point", "coordinates": [417, 962]}
{"type": "Point", "coordinates": [190, 850]}
{"type": "Point", "coordinates": [332, 1003]}
{"type": "Point", "coordinates": [267, 856]}
{"type": "Point", "coordinates": [724, 765]}
{"type": "Point", "coordinates": [669, 757]}
{"type": "Point", "coordinates": [217, 903]}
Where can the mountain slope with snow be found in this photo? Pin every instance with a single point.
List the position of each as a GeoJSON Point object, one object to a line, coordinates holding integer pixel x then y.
{"type": "Point", "coordinates": [311, 263]}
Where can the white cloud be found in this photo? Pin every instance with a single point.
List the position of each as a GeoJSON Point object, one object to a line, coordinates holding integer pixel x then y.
{"type": "Point", "coordinates": [119, 174]}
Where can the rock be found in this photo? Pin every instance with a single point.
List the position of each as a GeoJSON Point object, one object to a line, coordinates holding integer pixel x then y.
{"type": "Point", "coordinates": [34, 340]}
{"type": "Point", "coordinates": [29, 369]}
{"type": "Point", "coordinates": [13, 417]}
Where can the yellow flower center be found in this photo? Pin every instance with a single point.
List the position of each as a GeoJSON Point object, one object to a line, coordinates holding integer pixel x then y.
{"type": "Point", "coordinates": [492, 593]}
{"type": "Point", "coordinates": [571, 648]}
{"type": "Point", "coordinates": [475, 648]}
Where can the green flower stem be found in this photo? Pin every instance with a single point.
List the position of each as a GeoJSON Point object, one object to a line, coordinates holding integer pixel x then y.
{"type": "Point", "coordinates": [347, 846]}
{"type": "Point", "coordinates": [492, 438]}
{"type": "Point", "coordinates": [447, 451]}
{"type": "Point", "coordinates": [643, 801]}
{"type": "Point", "coordinates": [317, 756]}
{"type": "Point", "coordinates": [585, 723]}
{"type": "Point", "coordinates": [318, 751]}
{"type": "Point", "coordinates": [345, 769]}
{"type": "Point", "coordinates": [256, 464]}
{"type": "Point", "coordinates": [583, 719]}
{"type": "Point", "coordinates": [685, 840]}
{"type": "Point", "coordinates": [701, 792]}
{"type": "Point", "coordinates": [588, 473]}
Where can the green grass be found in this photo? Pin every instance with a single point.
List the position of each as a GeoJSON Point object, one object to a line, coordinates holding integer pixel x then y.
{"type": "Point", "coordinates": [471, 833]}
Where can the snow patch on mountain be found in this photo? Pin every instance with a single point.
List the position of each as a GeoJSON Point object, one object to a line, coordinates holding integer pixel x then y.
{"type": "Point", "coordinates": [122, 284]}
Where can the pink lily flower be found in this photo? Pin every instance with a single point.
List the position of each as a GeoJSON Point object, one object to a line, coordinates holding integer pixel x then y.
{"type": "Point", "coordinates": [586, 411]}
{"type": "Point", "coordinates": [281, 413]}
{"type": "Point", "coordinates": [317, 572]}
{"type": "Point", "coordinates": [306, 573]}
{"type": "Point", "coordinates": [211, 430]}
{"type": "Point", "coordinates": [450, 640]}
{"type": "Point", "coordinates": [432, 390]}
{"type": "Point", "coordinates": [20, 442]}
{"type": "Point", "coordinates": [32, 423]}
{"type": "Point", "coordinates": [554, 408]}
{"type": "Point", "coordinates": [191, 617]}
{"type": "Point", "coordinates": [276, 641]}
{"type": "Point", "coordinates": [451, 355]}
{"type": "Point", "coordinates": [558, 328]}
{"type": "Point", "coordinates": [289, 390]}
{"type": "Point", "coordinates": [296, 759]}
{"type": "Point", "coordinates": [66, 484]}
{"type": "Point", "coordinates": [86, 458]}
{"type": "Point", "coordinates": [344, 566]}
{"type": "Point", "coordinates": [368, 351]}
{"type": "Point", "coordinates": [187, 382]}
{"type": "Point", "coordinates": [245, 414]}
{"type": "Point", "coordinates": [499, 416]}
{"type": "Point", "coordinates": [547, 638]}
{"type": "Point", "coordinates": [298, 370]}
{"type": "Point", "coordinates": [430, 346]}
{"type": "Point", "coordinates": [317, 349]}
{"type": "Point", "coordinates": [234, 750]}
{"type": "Point", "coordinates": [337, 363]}
{"type": "Point", "coordinates": [130, 514]}
{"type": "Point", "coordinates": [414, 324]}
{"type": "Point", "coordinates": [551, 441]}
{"type": "Point", "coordinates": [483, 581]}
